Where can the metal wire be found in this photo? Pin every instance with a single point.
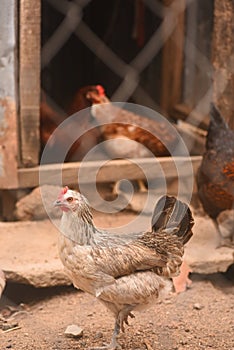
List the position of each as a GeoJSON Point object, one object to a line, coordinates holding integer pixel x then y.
{"type": "Point", "coordinates": [129, 73]}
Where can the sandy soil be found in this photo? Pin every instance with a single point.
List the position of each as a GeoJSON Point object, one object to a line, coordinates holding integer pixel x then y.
{"type": "Point", "coordinates": [200, 318]}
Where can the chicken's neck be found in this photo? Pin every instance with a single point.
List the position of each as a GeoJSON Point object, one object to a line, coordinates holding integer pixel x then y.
{"type": "Point", "coordinates": [79, 227]}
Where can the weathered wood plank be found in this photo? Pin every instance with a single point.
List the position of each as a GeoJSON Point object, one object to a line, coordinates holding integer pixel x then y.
{"type": "Point", "coordinates": [8, 95]}
{"type": "Point", "coordinates": [182, 111]}
{"type": "Point", "coordinates": [223, 58]}
{"type": "Point", "coordinates": [110, 171]}
{"type": "Point", "coordinates": [172, 62]}
{"type": "Point", "coordinates": [193, 137]}
{"type": "Point", "coordinates": [29, 74]}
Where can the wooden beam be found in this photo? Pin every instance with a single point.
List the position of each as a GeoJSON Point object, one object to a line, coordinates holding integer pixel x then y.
{"type": "Point", "coordinates": [8, 144]}
{"type": "Point", "coordinates": [223, 58]}
{"type": "Point", "coordinates": [182, 112]}
{"type": "Point", "coordinates": [8, 95]}
{"type": "Point", "coordinates": [29, 80]}
{"type": "Point", "coordinates": [172, 62]}
{"type": "Point", "coordinates": [111, 171]}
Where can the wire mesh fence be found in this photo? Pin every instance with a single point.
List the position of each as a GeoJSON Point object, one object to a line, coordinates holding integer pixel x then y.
{"type": "Point", "coordinates": [121, 43]}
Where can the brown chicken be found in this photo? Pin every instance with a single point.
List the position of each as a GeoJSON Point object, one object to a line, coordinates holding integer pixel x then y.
{"type": "Point", "coordinates": [50, 119]}
{"type": "Point", "coordinates": [122, 127]}
{"type": "Point", "coordinates": [125, 273]}
{"type": "Point", "coordinates": [215, 178]}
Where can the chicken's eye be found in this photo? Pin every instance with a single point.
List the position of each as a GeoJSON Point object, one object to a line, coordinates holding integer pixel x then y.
{"type": "Point", "coordinates": [69, 199]}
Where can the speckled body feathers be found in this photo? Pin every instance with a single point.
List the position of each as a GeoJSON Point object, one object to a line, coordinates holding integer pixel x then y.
{"type": "Point", "coordinates": [125, 272]}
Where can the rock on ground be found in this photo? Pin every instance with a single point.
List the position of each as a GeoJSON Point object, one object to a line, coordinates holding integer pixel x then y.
{"type": "Point", "coordinates": [202, 254]}
{"type": "Point", "coordinates": [29, 254]}
{"type": "Point", "coordinates": [38, 204]}
{"type": "Point", "coordinates": [73, 331]}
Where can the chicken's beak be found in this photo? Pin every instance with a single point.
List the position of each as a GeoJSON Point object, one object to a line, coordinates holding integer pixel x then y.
{"type": "Point", "coordinates": [57, 203]}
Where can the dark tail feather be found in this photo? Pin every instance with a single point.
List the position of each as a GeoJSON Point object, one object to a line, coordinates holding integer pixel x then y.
{"type": "Point", "coordinates": [216, 117]}
{"type": "Point", "coordinates": [174, 215]}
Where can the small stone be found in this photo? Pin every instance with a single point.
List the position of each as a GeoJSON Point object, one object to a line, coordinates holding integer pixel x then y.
{"type": "Point", "coordinates": [8, 326]}
{"type": "Point", "coordinates": [83, 343]}
{"type": "Point", "coordinates": [73, 331]}
{"type": "Point", "coordinates": [198, 306]}
{"type": "Point", "coordinates": [99, 335]}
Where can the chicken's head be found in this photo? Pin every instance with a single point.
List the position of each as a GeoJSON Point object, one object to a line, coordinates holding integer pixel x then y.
{"type": "Point", "coordinates": [97, 95]}
{"type": "Point", "coordinates": [69, 200]}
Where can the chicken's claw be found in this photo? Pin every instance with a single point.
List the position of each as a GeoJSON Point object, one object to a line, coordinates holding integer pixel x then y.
{"type": "Point", "coordinates": [123, 318]}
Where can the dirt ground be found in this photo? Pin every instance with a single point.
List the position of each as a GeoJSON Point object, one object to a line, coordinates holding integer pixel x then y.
{"type": "Point", "coordinates": [36, 318]}
{"type": "Point", "coordinates": [200, 318]}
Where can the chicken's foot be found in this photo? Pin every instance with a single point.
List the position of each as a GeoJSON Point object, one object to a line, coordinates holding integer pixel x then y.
{"type": "Point", "coordinates": [114, 344]}
{"type": "Point", "coordinates": [223, 241]}
{"type": "Point", "coordinates": [119, 325]}
{"type": "Point", "coordinates": [123, 317]}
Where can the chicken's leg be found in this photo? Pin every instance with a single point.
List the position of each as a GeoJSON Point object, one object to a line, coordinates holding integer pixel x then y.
{"type": "Point", "coordinates": [182, 282]}
{"type": "Point", "coordinates": [114, 344]}
{"type": "Point", "coordinates": [119, 324]}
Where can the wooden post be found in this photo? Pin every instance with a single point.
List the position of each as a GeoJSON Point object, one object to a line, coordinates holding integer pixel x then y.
{"type": "Point", "coordinates": [29, 53]}
{"type": "Point", "coordinates": [8, 95]}
{"type": "Point", "coordinates": [223, 58]}
{"type": "Point", "coordinates": [172, 61]}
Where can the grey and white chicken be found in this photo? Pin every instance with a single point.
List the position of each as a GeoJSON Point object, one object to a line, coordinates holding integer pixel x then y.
{"type": "Point", "coordinates": [125, 273]}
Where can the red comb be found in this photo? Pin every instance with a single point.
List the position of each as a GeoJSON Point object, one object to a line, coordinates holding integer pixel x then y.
{"type": "Point", "coordinates": [63, 191]}
{"type": "Point", "coordinates": [100, 90]}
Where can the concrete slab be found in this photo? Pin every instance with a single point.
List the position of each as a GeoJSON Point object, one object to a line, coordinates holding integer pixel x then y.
{"type": "Point", "coordinates": [202, 254]}
{"type": "Point", "coordinates": [28, 253]}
